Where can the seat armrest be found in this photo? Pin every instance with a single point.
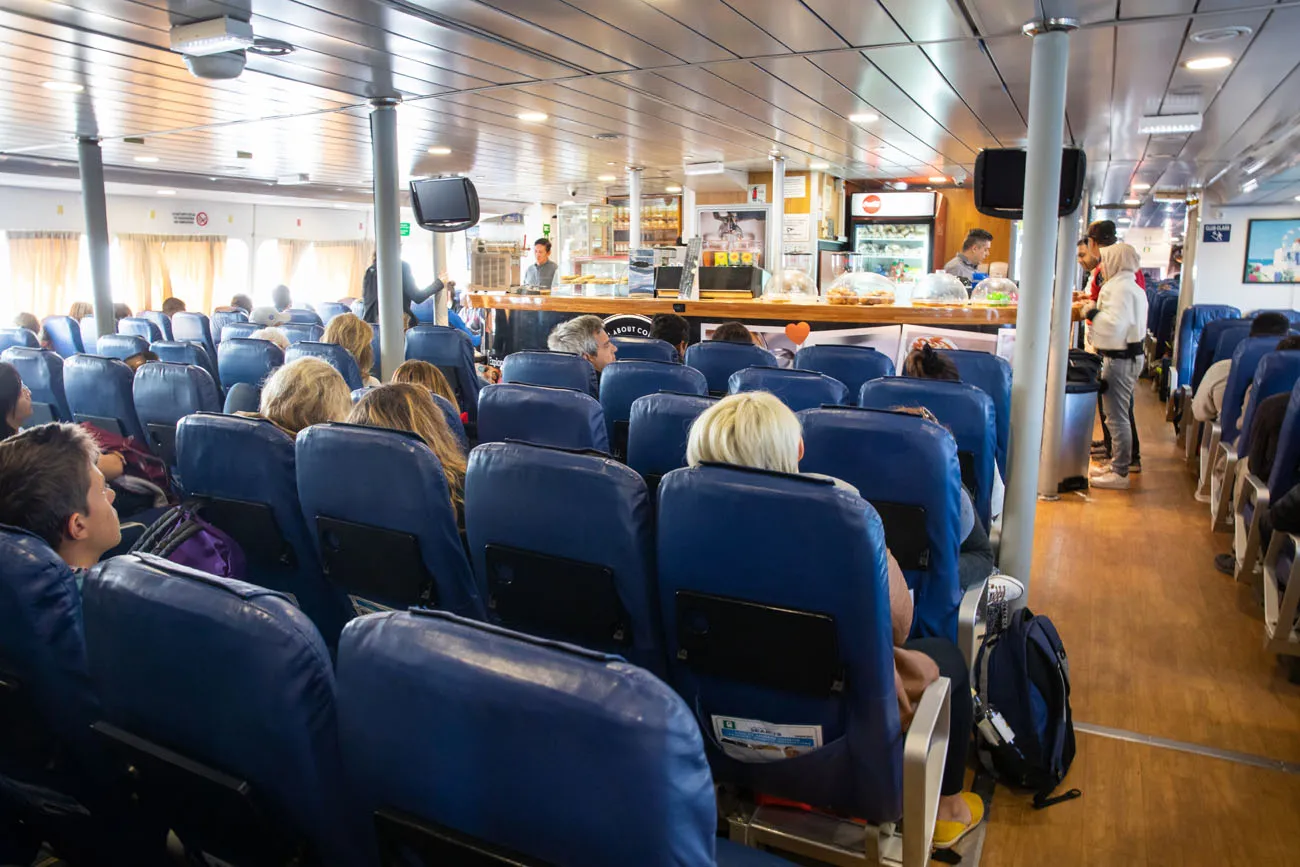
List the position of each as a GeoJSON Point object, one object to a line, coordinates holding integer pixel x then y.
{"type": "Point", "coordinates": [925, 750]}
{"type": "Point", "coordinates": [973, 602]}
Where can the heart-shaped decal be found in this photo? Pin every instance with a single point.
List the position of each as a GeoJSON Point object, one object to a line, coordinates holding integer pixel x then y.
{"type": "Point", "coordinates": [798, 332]}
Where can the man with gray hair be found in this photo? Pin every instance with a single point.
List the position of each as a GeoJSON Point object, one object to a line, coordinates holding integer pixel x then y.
{"type": "Point", "coordinates": [585, 336]}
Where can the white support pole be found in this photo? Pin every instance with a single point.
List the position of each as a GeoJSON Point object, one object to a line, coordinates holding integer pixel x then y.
{"type": "Point", "coordinates": [774, 261]}
{"type": "Point", "coordinates": [91, 160]}
{"type": "Point", "coordinates": [633, 208]}
{"type": "Point", "coordinates": [689, 225]}
{"type": "Point", "coordinates": [1047, 79]}
{"type": "Point", "coordinates": [388, 248]}
{"type": "Point", "coordinates": [1058, 360]}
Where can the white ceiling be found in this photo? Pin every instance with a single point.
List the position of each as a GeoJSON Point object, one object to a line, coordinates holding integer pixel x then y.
{"type": "Point", "coordinates": [677, 80]}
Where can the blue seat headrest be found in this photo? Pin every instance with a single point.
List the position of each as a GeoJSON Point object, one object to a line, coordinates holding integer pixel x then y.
{"type": "Point", "coordinates": [222, 318]}
{"type": "Point", "coordinates": [1190, 328]}
{"type": "Point", "coordinates": [41, 371]}
{"type": "Point", "coordinates": [1246, 358]}
{"type": "Point", "coordinates": [450, 351]}
{"type": "Point", "coordinates": [188, 325]}
{"type": "Point", "coordinates": [539, 414]}
{"type": "Point", "coordinates": [167, 392]}
{"type": "Point", "coordinates": [1276, 373]}
{"type": "Point", "coordinates": [851, 365]}
{"type": "Point", "coordinates": [645, 349]}
{"type": "Point", "coordinates": [622, 382]}
{"type": "Point", "coordinates": [121, 346]}
{"type": "Point", "coordinates": [797, 389]}
{"type": "Point", "coordinates": [327, 310]}
{"type": "Point", "coordinates": [18, 337]}
{"type": "Point", "coordinates": [162, 320]}
{"type": "Point", "coordinates": [336, 356]}
{"type": "Point", "coordinates": [64, 333]}
{"type": "Point", "coordinates": [659, 428]}
{"type": "Point", "coordinates": [624, 749]}
{"type": "Point", "coordinates": [991, 374]}
{"type": "Point", "coordinates": [238, 329]}
{"type": "Point", "coordinates": [99, 391]}
{"type": "Point", "coordinates": [718, 359]}
{"type": "Point", "coordinates": [554, 369]}
{"type": "Point", "coordinates": [243, 359]}
{"type": "Point", "coordinates": [304, 316]}
{"type": "Point", "coordinates": [299, 331]}
{"type": "Point", "coordinates": [140, 327]}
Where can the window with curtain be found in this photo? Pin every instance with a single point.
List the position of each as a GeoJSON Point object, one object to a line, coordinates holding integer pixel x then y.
{"type": "Point", "coordinates": [43, 271]}
{"type": "Point", "coordinates": [157, 267]}
{"type": "Point", "coordinates": [332, 270]}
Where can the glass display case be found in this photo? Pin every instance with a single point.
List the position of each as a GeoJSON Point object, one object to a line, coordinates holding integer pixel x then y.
{"type": "Point", "coordinates": [939, 289]}
{"type": "Point", "coordinates": [661, 222]}
{"type": "Point", "coordinates": [604, 276]}
{"type": "Point", "coordinates": [583, 232]}
{"type": "Point", "coordinates": [861, 287]}
{"type": "Point", "coordinates": [900, 251]}
{"type": "Point", "coordinates": [791, 285]}
{"type": "Point", "coordinates": [995, 292]}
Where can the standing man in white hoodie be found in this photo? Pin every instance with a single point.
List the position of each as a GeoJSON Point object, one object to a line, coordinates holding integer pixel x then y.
{"type": "Point", "coordinates": [1118, 323]}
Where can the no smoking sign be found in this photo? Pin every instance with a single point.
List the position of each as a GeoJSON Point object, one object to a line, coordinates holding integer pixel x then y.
{"type": "Point", "coordinates": [201, 218]}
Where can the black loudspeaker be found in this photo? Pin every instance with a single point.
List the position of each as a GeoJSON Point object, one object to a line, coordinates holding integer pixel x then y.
{"type": "Point", "coordinates": [1000, 182]}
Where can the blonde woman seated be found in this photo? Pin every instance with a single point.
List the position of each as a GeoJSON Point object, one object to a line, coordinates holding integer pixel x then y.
{"type": "Point", "coordinates": [274, 335]}
{"type": "Point", "coordinates": [423, 373]}
{"type": "Point", "coordinates": [755, 429]}
{"type": "Point", "coordinates": [304, 392]}
{"type": "Point", "coordinates": [408, 407]}
{"type": "Point", "coordinates": [354, 335]}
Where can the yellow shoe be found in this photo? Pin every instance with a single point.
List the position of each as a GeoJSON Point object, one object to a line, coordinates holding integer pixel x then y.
{"type": "Point", "coordinates": [949, 834]}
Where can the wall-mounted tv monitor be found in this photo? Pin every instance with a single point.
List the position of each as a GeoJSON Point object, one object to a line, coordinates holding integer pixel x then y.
{"type": "Point", "coordinates": [1000, 182]}
{"type": "Point", "coordinates": [445, 204]}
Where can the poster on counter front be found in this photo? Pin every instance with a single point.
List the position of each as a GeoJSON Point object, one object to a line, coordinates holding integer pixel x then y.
{"type": "Point", "coordinates": [949, 338]}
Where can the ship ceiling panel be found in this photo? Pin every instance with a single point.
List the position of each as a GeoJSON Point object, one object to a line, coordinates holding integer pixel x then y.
{"type": "Point", "coordinates": [1088, 90]}
{"type": "Point", "coordinates": [970, 72]}
{"type": "Point", "coordinates": [911, 72]}
{"type": "Point", "coordinates": [796, 25]}
{"type": "Point", "coordinates": [861, 23]}
{"type": "Point", "coordinates": [1145, 58]}
{"type": "Point", "coordinates": [718, 29]}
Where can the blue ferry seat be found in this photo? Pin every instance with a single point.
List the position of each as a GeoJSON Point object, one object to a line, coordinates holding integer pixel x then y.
{"type": "Point", "coordinates": [140, 327]}
{"type": "Point", "coordinates": [658, 430]}
{"type": "Point", "coordinates": [41, 370]}
{"type": "Point", "coordinates": [333, 354]}
{"type": "Point", "coordinates": [217, 698]}
{"type": "Point", "coordinates": [991, 374]}
{"type": "Point", "coordinates": [162, 320]}
{"type": "Point", "coordinates": [99, 393]}
{"type": "Point", "coordinates": [18, 337]}
{"type": "Point", "coordinates": [242, 473]}
{"type": "Point", "coordinates": [718, 359]}
{"type": "Point", "coordinates": [851, 365]}
{"type": "Point", "coordinates": [166, 392]}
{"type": "Point", "coordinates": [823, 667]}
{"type": "Point", "coordinates": [299, 331]}
{"type": "Point", "coordinates": [222, 318]}
{"type": "Point", "coordinates": [121, 346]}
{"type": "Point", "coordinates": [588, 581]}
{"type": "Point", "coordinates": [553, 369]}
{"type": "Point", "coordinates": [797, 389]}
{"type": "Point", "coordinates": [369, 492]}
{"type": "Point", "coordinates": [451, 352]}
{"type": "Point", "coordinates": [64, 333]}
{"type": "Point", "coordinates": [244, 359]}
{"type": "Point", "coordinates": [645, 349]}
{"type": "Point", "coordinates": [239, 329]}
{"type": "Point", "coordinates": [187, 325]}
{"type": "Point", "coordinates": [559, 417]}
{"type": "Point", "coordinates": [607, 758]}
{"type": "Point", "coordinates": [622, 382]}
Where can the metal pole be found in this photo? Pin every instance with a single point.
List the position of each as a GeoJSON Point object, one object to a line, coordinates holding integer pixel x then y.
{"type": "Point", "coordinates": [1058, 357]}
{"type": "Point", "coordinates": [442, 300]}
{"type": "Point", "coordinates": [1051, 56]}
{"type": "Point", "coordinates": [689, 227]}
{"type": "Point", "coordinates": [388, 249]}
{"type": "Point", "coordinates": [92, 202]}
{"type": "Point", "coordinates": [1187, 282]}
{"type": "Point", "coordinates": [634, 208]}
{"type": "Point", "coordinates": [777, 233]}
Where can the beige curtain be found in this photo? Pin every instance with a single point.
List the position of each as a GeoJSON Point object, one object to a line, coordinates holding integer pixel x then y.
{"type": "Point", "coordinates": [340, 267]}
{"type": "Point", "coordinates": [157, 267]}
{"type": "Point", "coordinates": [43, 270]}
{"type": "Point", "coordinates": [291, 253]}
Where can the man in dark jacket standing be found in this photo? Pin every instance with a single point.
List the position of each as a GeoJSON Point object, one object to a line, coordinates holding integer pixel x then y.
{"type": "Point", "coordinates": [411, 292]}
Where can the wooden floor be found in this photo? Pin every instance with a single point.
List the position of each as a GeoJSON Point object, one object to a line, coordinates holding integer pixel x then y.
{"type": "Point", "coordinates": [1160, 644]}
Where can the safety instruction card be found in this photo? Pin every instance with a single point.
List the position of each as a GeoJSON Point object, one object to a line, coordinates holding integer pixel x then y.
{"type": "Point", "coordinates": [751, 740]}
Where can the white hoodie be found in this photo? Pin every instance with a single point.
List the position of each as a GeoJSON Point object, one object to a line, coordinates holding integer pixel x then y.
{"type": "Point", "coordinates": [1121, 313]}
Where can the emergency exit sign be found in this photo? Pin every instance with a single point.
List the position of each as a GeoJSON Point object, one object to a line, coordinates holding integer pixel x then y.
{"type": "Point", "coordinates": [404, 229]}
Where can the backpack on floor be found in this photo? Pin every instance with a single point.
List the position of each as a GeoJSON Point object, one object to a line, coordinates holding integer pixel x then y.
{"type": "Point", "coordinates": [1024, 728]}
{"type": "Point", "coordinates": [184, 538]}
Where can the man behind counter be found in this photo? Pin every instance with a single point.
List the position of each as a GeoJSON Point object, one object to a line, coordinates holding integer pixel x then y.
{"type": "Point", "coordinates": [974, 250]}
{"type": "Point", "coordinates": [542, 272]}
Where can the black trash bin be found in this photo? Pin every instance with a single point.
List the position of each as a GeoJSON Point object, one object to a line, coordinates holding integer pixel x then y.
{"type": "Point", "coordinates": [1082, 383]}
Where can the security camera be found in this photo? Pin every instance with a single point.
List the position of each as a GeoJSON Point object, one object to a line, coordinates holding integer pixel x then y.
{"type": "Point", "coordinates": [216, 67]}
{"type": "Point", "coordinates": [959, 178]}
{"type": "Point", "coordinates": [573, 190]}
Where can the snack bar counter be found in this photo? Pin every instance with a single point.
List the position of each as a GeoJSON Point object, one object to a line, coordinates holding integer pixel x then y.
{"type": "Point", "coordinates": [523, 321]}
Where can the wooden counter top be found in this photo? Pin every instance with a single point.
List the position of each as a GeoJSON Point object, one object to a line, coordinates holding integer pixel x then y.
{"type": "Point", "coordinates": [754, 309]}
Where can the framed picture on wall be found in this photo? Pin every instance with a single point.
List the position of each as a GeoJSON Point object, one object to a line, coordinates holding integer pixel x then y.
{"type": "Point", "coordinates": [1272, 251]}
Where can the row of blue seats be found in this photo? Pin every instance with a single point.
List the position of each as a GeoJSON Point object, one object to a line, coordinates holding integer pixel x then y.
{"type": "Point", "coordinates": [170, 650]}
{"type": "Point", "coordinates": [1213, 333]}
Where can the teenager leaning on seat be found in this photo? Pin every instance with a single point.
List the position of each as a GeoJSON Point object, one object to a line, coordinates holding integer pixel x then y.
{"type": "Point", "coordinates": [755, 429]}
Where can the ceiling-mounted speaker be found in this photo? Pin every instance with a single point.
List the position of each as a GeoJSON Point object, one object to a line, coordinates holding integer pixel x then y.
{"type": "Point", "coordinates": [1000, 182]}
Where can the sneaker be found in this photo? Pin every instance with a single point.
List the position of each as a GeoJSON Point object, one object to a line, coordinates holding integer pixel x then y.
{"type": "Point", "coordinates": [1012, 589]}
{"type": "Point", "coordinates": [1135, 466]}
{"type": "Point", "coordinates": [1110, 481]}
{"type": "Point", "coordinates": [1100, 451]}
{"type": "Point", "coordinates": [1226, 563]}
{"type": "Point", "coordinates": [1098, 444]}
{"type": "Point", "coordinates": [1201, 497]}
{"type": "Point", "coordinates": [1099, 470]}
{"type": "Point", "coordinates": [949, 834]}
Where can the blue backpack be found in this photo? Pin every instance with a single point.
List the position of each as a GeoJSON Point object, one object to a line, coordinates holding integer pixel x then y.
{"type": "Point", "coordinates": [1024, 728]}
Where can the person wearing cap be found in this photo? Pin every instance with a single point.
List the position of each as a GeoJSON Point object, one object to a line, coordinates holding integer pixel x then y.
{"type": "Point", "coordinates": [1101, 234]}
{"type": "Point", "coordinates": [411, 292]}
{"type": "Point", "coordinates": [268, 317]}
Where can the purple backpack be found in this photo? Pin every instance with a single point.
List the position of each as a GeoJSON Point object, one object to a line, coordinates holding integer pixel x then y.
{"type": "Point", "coordinates": [184, 538]}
